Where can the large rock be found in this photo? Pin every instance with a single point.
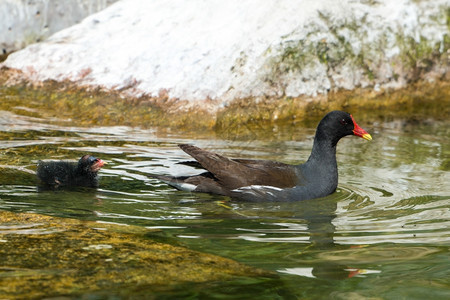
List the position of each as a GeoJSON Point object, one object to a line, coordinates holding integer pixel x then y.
{"type": "Point", "coordinates": [24, 22]}
{"type": "Point", "coordinates": [197, 50]}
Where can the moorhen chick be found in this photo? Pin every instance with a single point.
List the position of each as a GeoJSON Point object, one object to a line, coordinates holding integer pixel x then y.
{"type": "Point", "coordinates": [262, 180]}
{"type": "Point", "coordinates": [70, 174]}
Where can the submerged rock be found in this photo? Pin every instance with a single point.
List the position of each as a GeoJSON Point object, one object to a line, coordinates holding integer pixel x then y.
{"type": "Point", "coordinates": [223, 50]}
{"type": "Point", "coordinates": [45, 256]}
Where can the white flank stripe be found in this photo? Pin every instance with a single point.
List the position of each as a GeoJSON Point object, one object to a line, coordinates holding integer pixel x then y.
{"type": "Point", "coordinates": [256, 188]}
{"type": "Point", "coordinates": [183, 186]}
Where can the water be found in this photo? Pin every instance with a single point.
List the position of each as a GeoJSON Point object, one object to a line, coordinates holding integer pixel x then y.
{"type": "Point", "coordinates": [384, 234]}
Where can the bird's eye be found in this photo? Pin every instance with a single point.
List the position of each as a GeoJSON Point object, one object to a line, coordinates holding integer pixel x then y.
{"type": "Point", "coordinates": [92, 159]}
{"type": "Point", "coordinates": [343, 122]}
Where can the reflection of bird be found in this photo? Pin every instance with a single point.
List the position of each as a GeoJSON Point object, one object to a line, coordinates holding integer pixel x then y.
{"type": "Point", "coordinates": [65, 173]}
{"type": "Point", "coordinates": [260, 180]}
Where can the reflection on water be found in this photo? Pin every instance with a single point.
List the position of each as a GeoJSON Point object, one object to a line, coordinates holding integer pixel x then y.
{"type": "Point", "coordinates": [386, 230]}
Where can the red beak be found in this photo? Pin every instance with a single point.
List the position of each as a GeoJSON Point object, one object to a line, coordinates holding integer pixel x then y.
{"type": "Point", "coordinates": [97, 165]}
{"type": "Point", "coordinates": [358, 131]}
{"type": "Point", "coordinates": [100, 163]}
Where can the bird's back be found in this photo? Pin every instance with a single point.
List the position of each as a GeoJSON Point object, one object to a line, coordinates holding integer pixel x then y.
{"type": "Point", "coordinates": [56, 173]}
{"type": "Point", "coordinates": [236, 173]}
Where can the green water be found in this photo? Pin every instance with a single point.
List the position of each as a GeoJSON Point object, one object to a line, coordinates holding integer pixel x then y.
{"type": "Point", "coordinates": [385, 233]}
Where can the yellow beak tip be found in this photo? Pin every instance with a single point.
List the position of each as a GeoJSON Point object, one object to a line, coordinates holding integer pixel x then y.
{"type": "Point", "coordinates": [367, 137]}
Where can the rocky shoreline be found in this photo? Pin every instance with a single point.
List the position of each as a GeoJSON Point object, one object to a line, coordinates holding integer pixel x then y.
{"type": "Point", "coordinates": [175, 52]}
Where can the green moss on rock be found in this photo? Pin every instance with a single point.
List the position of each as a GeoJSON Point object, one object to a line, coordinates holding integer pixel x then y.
{"type": "Point", "coordinates": [45, 256]}
{"type": "Point", "coordinates": [67, 105]}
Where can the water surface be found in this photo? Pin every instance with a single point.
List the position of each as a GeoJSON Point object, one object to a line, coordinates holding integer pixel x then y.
{"type": "Point", "coordinates": [385, 233]}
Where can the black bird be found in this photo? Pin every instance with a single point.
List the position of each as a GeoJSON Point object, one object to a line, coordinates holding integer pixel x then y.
{"type": "Point", "coordinates": [262, 180]}
{"type": "Point", "coordinates": [69, 174]}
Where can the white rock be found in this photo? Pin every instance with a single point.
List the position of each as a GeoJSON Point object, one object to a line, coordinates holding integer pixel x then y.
{"type": "Point", "coordinates": [222, 50]}
{"type": "Point", "coordinates": [23, 22]}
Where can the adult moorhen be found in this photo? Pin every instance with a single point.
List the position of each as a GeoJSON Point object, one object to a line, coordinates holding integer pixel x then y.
{"type": "Point", "coordinates": [261, 180]}
{"type": "Point", "coordinates": [69, 174]}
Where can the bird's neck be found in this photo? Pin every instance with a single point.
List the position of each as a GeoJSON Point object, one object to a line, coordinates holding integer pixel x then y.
{"type": "Point", "coordinates": [322, 151]}
{"type": "Point", "coordinates": [80, 171]}
{"type": "Point", "coordinates": [322, 161]}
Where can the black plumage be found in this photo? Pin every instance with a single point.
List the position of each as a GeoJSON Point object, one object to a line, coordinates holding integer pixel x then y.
{"type": "Point", "coordinates": [69, 174]}
{"type": "Point", "coordinates": [260, 180]}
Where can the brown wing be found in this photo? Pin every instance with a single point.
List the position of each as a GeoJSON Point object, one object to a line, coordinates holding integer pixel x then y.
{"type": "Point", "coordinates": [235, 173]}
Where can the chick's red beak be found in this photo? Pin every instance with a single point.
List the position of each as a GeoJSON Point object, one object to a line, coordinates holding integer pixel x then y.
{"type": "Point", "coordinates": [358, 131]}
{"type": "Point", "coordinates": [101, 163]}
{"type": "Point", "coordinates": [95, 167]}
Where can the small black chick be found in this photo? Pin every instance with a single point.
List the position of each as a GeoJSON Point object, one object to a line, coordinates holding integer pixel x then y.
{"type": "Point", "coordinates": [65, 173]}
